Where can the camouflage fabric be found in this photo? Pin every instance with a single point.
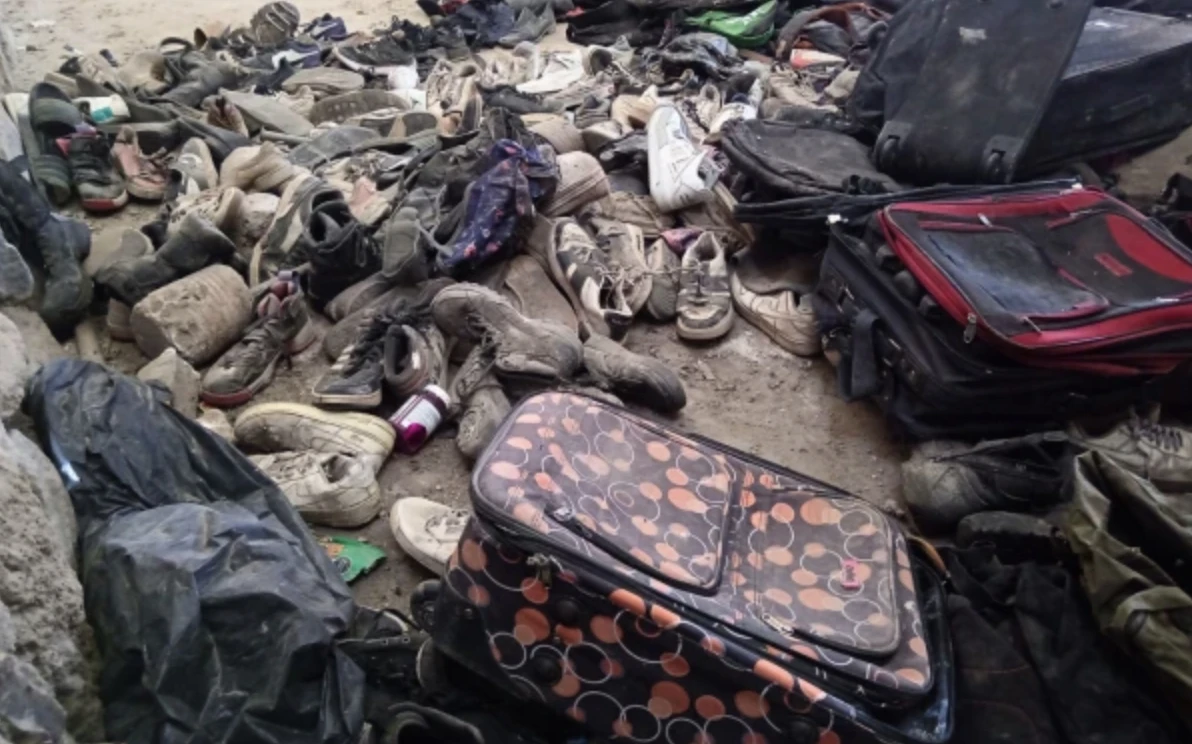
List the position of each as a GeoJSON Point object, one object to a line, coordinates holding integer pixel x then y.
{"type": "Point", "coordinates": [1134, 542]}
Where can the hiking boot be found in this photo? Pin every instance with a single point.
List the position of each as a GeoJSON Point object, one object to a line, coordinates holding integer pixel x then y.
{"type": "Point", "coordinates": [356, 379]}
{"type": "Point", "coordinates": [220, 113]}
{"type": "Point", "coordinates": [377, 57]}
{"type": "Point", "coordinates": [145, 177]}
{"type": "Point", "coordinates": [705, 306]}
{"type": "Point", "coordinates": [784, 316]}
{"type": "Point", "coordinates": [403, 261]}
{"type": "Point", "coordinates": [339, 250]}
{"type": "Point", "coordinates": [298, 202]}
{"type": "Point", "coordinates": [482, 402]}
{"type": "Point", "coordinates": [945, 481]}
{"type": "Point", "coordinates": [195, 245]}
{"type": "Point", "coordinates": [262, 168]}
{"type": "Point", "coordinates": [636, 378]}
{"type": "Point", "coordinates": [522, 348]}
{"type": "Point", "coordinates": [220, 207]}
{"type": "Point", "coordinates": [99, 186]}
{"type": "Point", "coordinates": [664, 267]}
{"type": "Point", "coordinates": [1161, 454]}
{"type": "Point", "coordinates": [61, 244]}
{"type": "Point", "coordinates": [16, 280]}
{"type": "Point", "coordinates": [282, 329]}
{"type": "Point", "coordinates": [274, 22]}
{"type": "Point", "coordinates": [414, 358]}
{"type": "Point", "coordinates": [427, 531]}
{"type": "Point", "coordinates": [584, 273]}
{"type": "Point", "coordinates": [530, 25]}
{"type": "Point", "coordinates": [333, 490]}
{"type": "Point", "coordinates": [293, 427]}
{"type": "Point", "coordinates": [680, 175]}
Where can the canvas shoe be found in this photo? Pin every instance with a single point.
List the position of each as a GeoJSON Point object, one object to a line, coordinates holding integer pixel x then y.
{"type": "Point", "coordinates": [377, 57]}
{"type": "Point", "coordinates": [593, 285]}
{"type": "Point", "coordinates": [427, 531]}
{"type": "Point", "coordinates": [282, 329]}
{"type": "Point", "coordinates": [680, 175]}
{"type": "Point", "coordinates": [634, 377]}
{"type": "Point", "coordinates": [1161, 454]}
{"type": "Point", "coordinates": [784, 316]}
{"type": "Point", "coordinates": [414, 358]}
{"type": "Point", "coordinates": [523, 348]}
{"type": "Point", "coordinates": [329, 489]}
{"type": "Point", "coordinates": [944, 481]}
{"type": "Point", "coordinates": [294, 427]}
{"type": "Point", "coordinates": [531, 24]}
{"type": "Point", "coordinates": [705, 306]}
{"type": "Point", "coordinates": [99, 187]}
{"type": "Point", "coordinates": [664, 266]}
{"type": "Point", "coordinates": [356, 380]}
{"type": "Point", "coordinates": [145, 177]}
{"type": "Point", "coordinates": [482, 403]}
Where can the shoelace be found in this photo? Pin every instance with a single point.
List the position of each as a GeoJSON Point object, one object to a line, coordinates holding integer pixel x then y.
{"type": "Point", "coordinates": [91, 161]}
{"type": "Point", "coordinates": [370, 345]}
{"type": "Point", "coordinates": [1165, 437]}
{"type": "Point", "coordinates": [451, 520]}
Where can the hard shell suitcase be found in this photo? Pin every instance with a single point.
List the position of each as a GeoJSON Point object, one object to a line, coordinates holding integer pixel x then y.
{"type": "Point", "coordinates": [659, 586]}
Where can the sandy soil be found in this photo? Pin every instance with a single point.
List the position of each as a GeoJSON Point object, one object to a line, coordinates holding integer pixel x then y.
{"type": "Point", "coordinates": [744, 391]}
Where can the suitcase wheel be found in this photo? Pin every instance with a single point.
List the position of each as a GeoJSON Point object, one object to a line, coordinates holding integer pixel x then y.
{"type": "Point", "coordinates": [908, 286]}
{"type": "Point", "coordinates": [422, 603]}
{"type": "Point", "coordinates": [546, 670]}
{"type": "Point", "coordinates": [887, 259]}
{"type": "Point", "coordinates": [929, 308]}
{"type": "Point", "coordinates": [803, 731]}
{"type": "Point", "coordinates": [995, 168]}
{"type": "Point", "coordinates": [887, 153]}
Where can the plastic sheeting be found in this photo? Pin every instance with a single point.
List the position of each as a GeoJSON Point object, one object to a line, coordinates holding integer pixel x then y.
{"type": "Point", "coordinates": [215, 609]}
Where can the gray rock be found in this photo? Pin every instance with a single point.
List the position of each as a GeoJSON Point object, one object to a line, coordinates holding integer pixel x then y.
{"type": "Point", "coordinates": [40, 344]}
{"type": "Point", "coordinates": [47, 486]}
{"type": "Point", "coordinates": [8, 635]}
{"type": "Point", "coordinates": [172, 371]}
{"type": "Point", "coordinates": [28, 710]}
{"type": "Point", "coordinates": [44, 597]}
{"type": "Point", "coordinates": [199, 315]}
{"type": "Point", "coordinates": [15, 369]}
{"type": "Point", "coordinates": [217, 422]}
{"type": "Point", "coordinates": [256, 214]}
{"type": "Point", "coordinates": [114, 244]}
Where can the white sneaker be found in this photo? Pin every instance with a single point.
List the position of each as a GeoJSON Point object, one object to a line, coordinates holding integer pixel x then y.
{"type": "Point", "coordinates": [561, 70]}
{"type": "Point", "coordinates": [680, 175]}
{"type": "Point", "coordinates": [329, 489]}
{"type": "Point", "coordinates": [427, 531]}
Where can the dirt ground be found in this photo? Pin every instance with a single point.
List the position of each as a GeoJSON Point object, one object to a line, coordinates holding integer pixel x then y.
{"type": "Point", "coordinates": [744, 390]}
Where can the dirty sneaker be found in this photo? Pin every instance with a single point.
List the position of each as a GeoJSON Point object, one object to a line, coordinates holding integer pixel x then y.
{"type": "Point", "coordinates": [664, 265]}
{"type": "Point", "coordinates": [943, 481]}
{"type": "Point", "coordinates": [427, 531]}
{"type": "Point", "coordinates": [293, 427]}
{"type": "Point", "coordinates": [282, 329]}
{"type": "Point", "coordinates": [1159, 453]}
{"type": "Point", "coordinates": [356, 379]}
{"type": "Point", "coordinates": [586, 275]}
{"type": "Point", "coordinates": [680, 174]}
{"type": "Point", "coordinates": [482, 402]}
{"type": "Point", "coordinates": [414, 358]}
{"type": "Point", "coordinates": [378, 57]}
{"type": "Point", "coordinates": [329, 489]}
{"type": "Point", "coordinates": [784, 316]}
{"type": "Point", "coordinates": [705, 305]}
{"type": "Point", "coordinates": [145, 176]}
{"type": "Point", "coordinates": [99, 186]}
{"type": "Point", "coordinates": [636, 378]}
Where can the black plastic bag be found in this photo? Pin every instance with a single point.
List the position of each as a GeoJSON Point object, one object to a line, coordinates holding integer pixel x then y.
{"type": "Point", "coordinates": [215, 610]}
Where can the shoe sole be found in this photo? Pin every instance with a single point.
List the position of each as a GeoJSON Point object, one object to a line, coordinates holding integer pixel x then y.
{"type": "Point", "coordinates": [706, 334]}
{"type": "Point", "coordinates": [102, 206]}
{"type": "Point", "coordinates": [352, 402]}
{"type": "Point", "coordinates": [154, 195]}
{"type": "Point", "coordinates": [379, 431]}
{"type": "Point", "coordinates": [794, 347]}
{"type": "Point", "coordinates": [357, 67]}
{"type": "Point", "coordinates": [351, 517]}
{"type": "Point", "coordinates": [403, 542]}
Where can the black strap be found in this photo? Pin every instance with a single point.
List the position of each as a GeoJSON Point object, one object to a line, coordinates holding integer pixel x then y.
{"type": "Point", "coordinates": [859, 375]}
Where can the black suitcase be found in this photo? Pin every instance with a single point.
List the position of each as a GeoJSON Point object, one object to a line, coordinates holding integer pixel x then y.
{"type": "Point", "coordinates": [1128, 84]}
{"type": "Point", "coordinates": [931, 378]}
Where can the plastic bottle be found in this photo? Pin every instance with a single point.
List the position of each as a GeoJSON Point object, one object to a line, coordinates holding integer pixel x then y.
{"type": "Point", "coordinates": [418, 418]}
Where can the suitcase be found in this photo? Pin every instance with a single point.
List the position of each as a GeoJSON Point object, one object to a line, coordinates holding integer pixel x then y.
{"type": "Point", "coordinates": [661, 587]}
{"type": "Point", "coordinates": [938, 379]}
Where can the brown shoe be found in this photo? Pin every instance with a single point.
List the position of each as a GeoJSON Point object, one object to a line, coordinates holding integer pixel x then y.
{"type": "Point", "coordinates": [145, 177]}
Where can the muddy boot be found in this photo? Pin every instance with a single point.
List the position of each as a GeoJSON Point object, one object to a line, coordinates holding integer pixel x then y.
{"type": "Point", "coordinates": [340, 252]}
{"type": "Point", "coordinates": [60, 242]}
{"type": "Point", "coordinates": [196, 244]}
{"type": "Point", "coordinates": [637, 378]}
{"type": "Point", "coordinates": [483, 404]}
{"type": "Point", "coordinates": [524, 349]}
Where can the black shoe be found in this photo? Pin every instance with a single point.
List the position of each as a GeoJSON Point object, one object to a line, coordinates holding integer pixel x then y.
{"type": "Point", "coordinates": [99, 186]}
{"type": "Point", "coordinates": [507, 97]}
{"type": "Point", "coordinates": [58, 243]}
{"type": "Point", "coordinates": [1015, 538]}
{"type": "Point", "coordinates": [377, 57]}
{"type": "Point", "coordinates": [202, 78]}
{"type": "Point", "coordinates": [195, 245]}
{"type": "Point", "coordinates": [945, 481]}
{"type": "Point", "coordinates": [340, 252]}
{"type": "Point", "coordinates": [356, 380]}
{"type": "Point", "coordinates": [450, 38]}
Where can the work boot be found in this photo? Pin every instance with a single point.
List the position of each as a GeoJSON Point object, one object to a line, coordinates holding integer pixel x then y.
{"type": "Point", "coordinates": [637, 378]}
{"type": "Point", "coordinates": [293, 427]}
{"type": "Point", "coordinates": [329, 489]}
{"type": "Point", "coordinates": [523, 348]}
{"type": "Point", "coordinates": [943, 481]}
{"type": "Point", "coordinates": [482, 402]}
{"type": "Point", "coordinates": [1161, 454]}
{"type": "Point", "coordinates": [339, 251]}
{"type": "Point", "coordinates": [61, 244]}
{"type": "Point", "coordinates": [195, 245]}
{"type": "Point", "coordinates": [282, 329]}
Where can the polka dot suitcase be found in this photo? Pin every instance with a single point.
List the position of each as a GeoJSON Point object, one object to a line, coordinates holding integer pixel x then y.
{"type": "Point", "coordinates": [661, 587]}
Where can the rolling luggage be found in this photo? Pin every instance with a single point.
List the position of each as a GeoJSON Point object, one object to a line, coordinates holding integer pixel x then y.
{"type": "Point", "coordinates": [662, 587]}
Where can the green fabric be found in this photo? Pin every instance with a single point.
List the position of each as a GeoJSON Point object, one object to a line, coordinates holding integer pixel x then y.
{"type": "Point", "coordinates": [1134, 544]}
{"type": "Point", "coordinates": [353, 558]}
{"type": "Point", "coordinates": [749, 30]}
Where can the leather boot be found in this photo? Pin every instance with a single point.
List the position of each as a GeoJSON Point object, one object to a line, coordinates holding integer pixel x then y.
{"type": "Point", "coordinates": [195, 245]}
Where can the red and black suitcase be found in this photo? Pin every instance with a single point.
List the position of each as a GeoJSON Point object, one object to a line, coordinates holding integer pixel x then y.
{"type": "Point", "coordinates": [661, 587]}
